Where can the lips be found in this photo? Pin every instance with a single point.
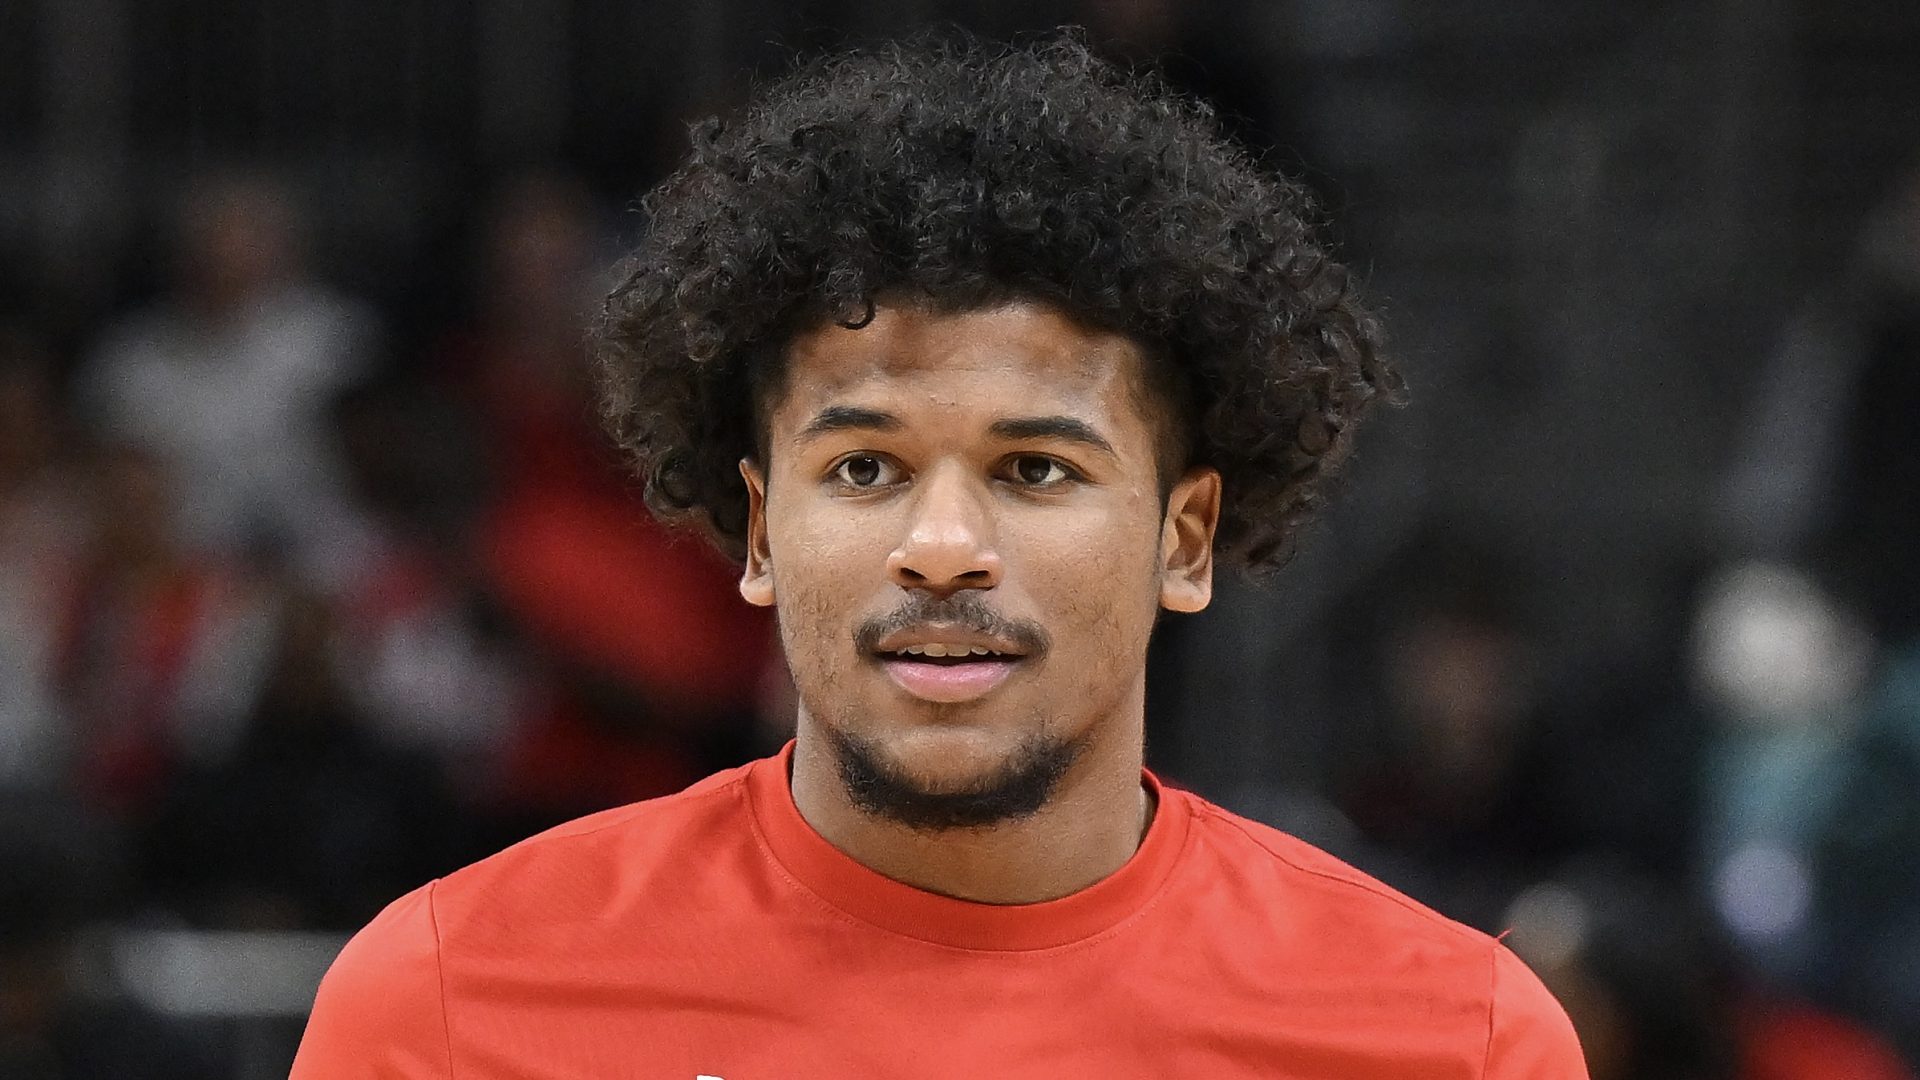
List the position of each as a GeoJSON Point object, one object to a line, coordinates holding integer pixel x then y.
{"type": "Point", "coordinates": [949, 683]}
{"type": "Point", "coordinates": [953, 651]}
{"type": "Point", "coordinates": [947, 664]}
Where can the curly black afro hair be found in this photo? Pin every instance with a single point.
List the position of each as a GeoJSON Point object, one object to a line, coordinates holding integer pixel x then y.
{"type": "Point", "coordinates": [955, 175]}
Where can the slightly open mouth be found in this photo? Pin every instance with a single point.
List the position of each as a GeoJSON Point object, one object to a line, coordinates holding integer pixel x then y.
{"type": "Point", "coordinates": [948, 674]}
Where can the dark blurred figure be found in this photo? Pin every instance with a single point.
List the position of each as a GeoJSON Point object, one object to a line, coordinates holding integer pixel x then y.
{"type": "Point", "coordinates": [652, 661]}
{"type": "Point", "coordinates": [159, 647]}
{"type": "Point", "coordinates": [42, 516]}
{"type": "Point", "coordinates": [431, 661]}
{"type": "Point", "coordinates": [52, 882]}
{"type": "Point", "coordinates": [1654, 993]}
{"type": "Point", "coordinates": [309, 823]}
{"type": "Point", "coordinates": [1446, 786]}
{"type": "Point", "coordinates": [1476, 771]}
{"type": "Point", "coordinates": [1623, 743]}
{"type": "Point", "coordinates": [1872, 531]}
{"type": "Point", "coordinates": [228, 378]}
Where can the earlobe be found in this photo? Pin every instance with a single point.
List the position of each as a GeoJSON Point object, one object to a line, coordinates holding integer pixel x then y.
{"type": "Point", "coordinates": [756, 577]}
{"type": "Point", "coordinates": [1186, 541]}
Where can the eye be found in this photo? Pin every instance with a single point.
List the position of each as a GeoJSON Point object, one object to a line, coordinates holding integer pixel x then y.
{"type": "Point", "coordinates": [1037, 471]}
{"type": "Point", "coordinates": [865, 471]}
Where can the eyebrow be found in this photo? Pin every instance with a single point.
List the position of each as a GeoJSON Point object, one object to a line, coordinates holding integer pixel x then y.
{"type": "Point", "coordinates": [849, 418]}
{"type": "Point", "coordinates": [1065, 428]}
{"type": "Point", "coordinates": [1012, 429]}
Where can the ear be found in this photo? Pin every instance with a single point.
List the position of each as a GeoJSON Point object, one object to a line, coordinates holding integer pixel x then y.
{"type": "Point", "coordinates": [1186, 540]}
{"type": "Point", "coordinates": [756, 578]}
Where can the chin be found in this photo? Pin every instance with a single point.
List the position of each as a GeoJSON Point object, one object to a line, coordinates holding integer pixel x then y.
{"type": "Point", "coordinates": [947, 757]}
{"type": "Point", "coordinates": [951, 777]}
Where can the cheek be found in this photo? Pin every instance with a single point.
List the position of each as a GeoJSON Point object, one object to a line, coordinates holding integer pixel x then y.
{"type": "Point", "coordinates": [822, 576]}
{"type": "Point", "coordinates": [803, 611]}
{"type": "Point", "coordinates": [810, 604]}
{"type": "Point", "coordinates": [1099, 576]}
{"type": "Point", "coordinates": [1116, 545]}
{"type": "Point", "coordinates": [814, 636]}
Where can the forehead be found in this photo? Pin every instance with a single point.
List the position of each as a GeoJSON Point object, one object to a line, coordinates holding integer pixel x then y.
{"type": "Point", "coordinates": [1017, 356]}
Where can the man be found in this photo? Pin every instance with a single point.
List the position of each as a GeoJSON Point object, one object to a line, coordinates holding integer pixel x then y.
{"type": "Point", "coordinates": [975, 358]}
{"type": "Point", "coordinates": [226, 380]}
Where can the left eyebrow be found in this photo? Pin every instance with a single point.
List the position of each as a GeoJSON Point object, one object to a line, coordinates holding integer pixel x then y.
{"type": "Point", "coordinates": [1018, 428]}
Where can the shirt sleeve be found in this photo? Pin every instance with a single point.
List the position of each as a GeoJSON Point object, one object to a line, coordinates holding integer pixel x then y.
{"type": "Point", "coordinates": [1531, 1037]}
{"type": "Point", "coordinates": [381, 1010]}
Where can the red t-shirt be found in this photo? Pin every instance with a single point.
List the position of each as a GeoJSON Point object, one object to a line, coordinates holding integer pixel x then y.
{"type": "Point", "coordinates": [714, 934]}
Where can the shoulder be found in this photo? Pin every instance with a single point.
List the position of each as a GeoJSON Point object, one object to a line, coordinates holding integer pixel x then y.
{"type": "Point", "coordinates": [588, 871]}
{"type": "Point", "coordinates": [1311, 881]}
{"type": "Point", "coordinates": [134, 350]}
{"type": "Point", "coordinates": [1529, 1033]}
{"type": "Point", "coordinates": [1341, 920]}
{"type": "Point", "coordinates": [380, 1010]}
{"type": "Point", "coordinates": [315, 310]}
{"type": "Point", "coordinates": [135, 336]}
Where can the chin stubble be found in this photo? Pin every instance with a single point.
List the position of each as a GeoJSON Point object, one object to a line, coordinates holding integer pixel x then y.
{"type": "Point", "coordinates": [1018, 789]}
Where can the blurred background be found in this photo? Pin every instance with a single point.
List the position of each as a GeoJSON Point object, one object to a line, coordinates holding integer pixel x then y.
{"type": "Point", "coordinates": [317, 580]}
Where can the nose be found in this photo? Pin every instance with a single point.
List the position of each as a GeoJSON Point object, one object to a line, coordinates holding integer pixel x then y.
{"type": "Point", "coordinates": [948, 545]}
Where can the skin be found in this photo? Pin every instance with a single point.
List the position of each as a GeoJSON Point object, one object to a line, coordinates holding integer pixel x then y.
{"type": "Point", "coordinates": [908, 496]}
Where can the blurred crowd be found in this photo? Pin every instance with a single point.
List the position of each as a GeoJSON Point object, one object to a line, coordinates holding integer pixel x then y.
{"type": "Point", "coordinates": [303, 603]}
{"type": "Point", "coordinates": [289, 626]}
{"type": "Point", "coordinates": [1707, 845]}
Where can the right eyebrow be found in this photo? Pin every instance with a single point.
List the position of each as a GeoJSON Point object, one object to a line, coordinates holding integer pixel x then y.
{"type": "Point", "coordinates": [849, 418]}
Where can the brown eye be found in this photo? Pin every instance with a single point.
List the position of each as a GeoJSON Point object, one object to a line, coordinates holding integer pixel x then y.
{"type": "Point", "coordinates": [863, 470]}
{"type": "Point", "coordinates": [1038, 471]}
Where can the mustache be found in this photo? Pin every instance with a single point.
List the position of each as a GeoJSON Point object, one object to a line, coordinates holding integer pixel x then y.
{"type": "Point", "coordinates": [964, 611]}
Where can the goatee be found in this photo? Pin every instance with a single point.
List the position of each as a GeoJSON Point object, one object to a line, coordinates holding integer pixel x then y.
{"type": "Point", "coordinates": [1017, 789]}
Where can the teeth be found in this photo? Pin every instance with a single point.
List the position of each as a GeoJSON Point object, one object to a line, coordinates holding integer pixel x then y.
{"type": "Point", "coordinates": [937, 649]}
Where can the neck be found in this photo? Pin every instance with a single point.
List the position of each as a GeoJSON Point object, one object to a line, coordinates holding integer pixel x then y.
{"type": "Point", "coordinates": [1092, 825]}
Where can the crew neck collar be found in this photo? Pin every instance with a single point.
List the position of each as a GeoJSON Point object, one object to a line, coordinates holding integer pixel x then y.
{"type": "Point", "coordinates": [894, 906]}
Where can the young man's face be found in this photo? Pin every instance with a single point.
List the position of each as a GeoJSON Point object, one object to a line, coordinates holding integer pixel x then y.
{"type": "Point", "coordinates": [983, 485]}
